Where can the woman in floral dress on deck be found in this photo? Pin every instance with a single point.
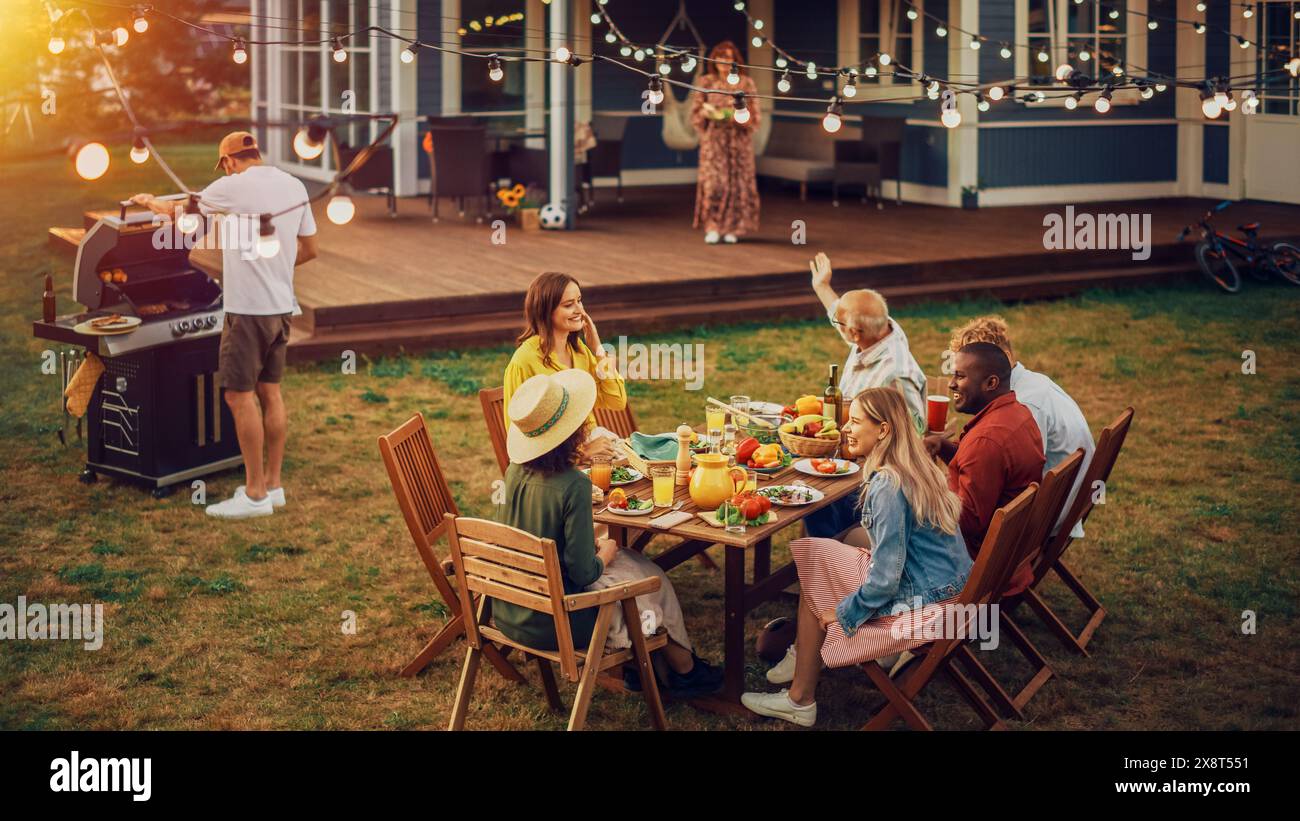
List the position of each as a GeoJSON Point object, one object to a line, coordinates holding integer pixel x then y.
{"type": "Point", "coordinates": [726, 194]}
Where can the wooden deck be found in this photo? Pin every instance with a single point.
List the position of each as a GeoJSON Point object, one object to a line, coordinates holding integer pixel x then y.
{"type": "Point", "coordinates": [383, 283]}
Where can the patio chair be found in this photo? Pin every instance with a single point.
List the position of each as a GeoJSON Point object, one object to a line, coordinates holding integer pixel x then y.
{"type": "Point", "coordinates": [459, 166]}
{"type": "Point", "coordinates": [991, 567]}
{"type": "Point", "coordinates": [622, 422]}
{"type": "Point", "coordinates": [502, 562]}
{"type": "Point", "coordinates": [1046, 510]}
{"type": "Point", "coordinates": [376, 175]}
{"type": "Point", "coordinates": [606, 159]}
{"type": "Point", "coordinates": [424, 497]}
{"type": "Point", "coordinates": [1103, 460]}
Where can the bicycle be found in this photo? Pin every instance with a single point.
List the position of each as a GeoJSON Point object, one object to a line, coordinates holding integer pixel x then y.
{"type": "Point", "coordinates": [1215, 250]}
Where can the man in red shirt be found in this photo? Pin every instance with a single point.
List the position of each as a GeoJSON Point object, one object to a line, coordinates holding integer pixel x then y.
{"type": "Point", "coordinates": [1000, 452]}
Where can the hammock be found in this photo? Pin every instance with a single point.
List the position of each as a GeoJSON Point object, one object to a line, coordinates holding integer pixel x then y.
{"type": "Point", "coordinates": [677, 132]}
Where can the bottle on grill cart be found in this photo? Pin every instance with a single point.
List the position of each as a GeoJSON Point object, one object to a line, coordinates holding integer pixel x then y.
{"type": "Point", "coordinates": [47, 300]}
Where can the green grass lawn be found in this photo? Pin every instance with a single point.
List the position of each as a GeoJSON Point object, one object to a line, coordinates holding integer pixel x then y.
{"type": "Point", "coordinates": [237, 625]}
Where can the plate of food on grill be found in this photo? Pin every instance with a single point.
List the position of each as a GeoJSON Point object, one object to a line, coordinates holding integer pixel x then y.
{"type": "Point", "coordinates": [827, 467]}
{"type": "Point", "coordinates": [793, 495]}
{"type": "Point", "coordinates": [620, 475]}
{"type": "Point", "coordinates": [109, 324]}
{"type": "Point", "coordinates": [625, 505]}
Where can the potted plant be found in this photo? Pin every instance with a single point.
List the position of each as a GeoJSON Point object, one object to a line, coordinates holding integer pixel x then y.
{"type": "Point", "coordinates": [970, 196]}
{"type": "Point", "coordinates": [521, 201]}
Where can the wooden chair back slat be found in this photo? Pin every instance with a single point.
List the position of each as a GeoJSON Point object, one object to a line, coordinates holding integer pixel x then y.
{"type": "Point", "coordinates": [493, 403]}
{"type": "Point", "coordinates": [999, 548]}
{"type": "Point", "coordinates": [505, 574]}
{"type": "Point", "coordinates": [622, 422]}
{"type": "Point", "coordinates": [507, 592]}
{"type": "Point", "coordinates": [504, 555]}
{"type": "Point", "coordinates": [1048, 502]}
{"type": "Point", "coordinates": [483, 530]}
{"type": "Point", "coordinates": [421, 490]}
{"type": "Point", "coordinates": [1103, 460]}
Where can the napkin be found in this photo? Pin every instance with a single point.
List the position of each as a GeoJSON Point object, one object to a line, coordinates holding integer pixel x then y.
{"type": "Point", "coordinates": [657, 447]}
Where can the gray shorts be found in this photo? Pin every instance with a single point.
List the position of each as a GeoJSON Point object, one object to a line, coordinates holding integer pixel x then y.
{"type": "Point", "coordinates": [252, 350]}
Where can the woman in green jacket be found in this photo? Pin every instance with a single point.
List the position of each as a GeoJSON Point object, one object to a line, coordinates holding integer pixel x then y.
{"type": "Point", "coordinates": [547, 496]}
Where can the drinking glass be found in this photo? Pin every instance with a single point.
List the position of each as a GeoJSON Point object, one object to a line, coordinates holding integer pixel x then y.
{"type": "Point", "coordinates": [723, 511]}
{"type": "Point", "coordinates": [600, 472]}
{"type": "Point", "coordinates": [729, 440]}
{"type": "Point", "coordinates": [740, 403]}
{"type": "Point", "coordinates": [751, 480]}
{"type": "Point", "coordinates": [714, 417]}
{"type": "Point", "coordinates": [664, 478]}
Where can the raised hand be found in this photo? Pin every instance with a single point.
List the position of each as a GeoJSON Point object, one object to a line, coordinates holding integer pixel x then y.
{"type": "Point", "coordinates": [821, 270]}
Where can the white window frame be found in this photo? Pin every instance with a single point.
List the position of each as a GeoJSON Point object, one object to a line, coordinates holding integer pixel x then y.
{"type": "Point", "coordinates": [850, 47]}
{"type": "Point", "coordinates": [1135, 48]}
{"type": "Point", "coordinates": [1255, 33]}
{"type": "Point", "coordinates": [328, 103]}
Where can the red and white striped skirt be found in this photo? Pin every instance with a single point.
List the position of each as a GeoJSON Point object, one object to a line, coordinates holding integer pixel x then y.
{"type": "Point", "coordinates": [831, 571]}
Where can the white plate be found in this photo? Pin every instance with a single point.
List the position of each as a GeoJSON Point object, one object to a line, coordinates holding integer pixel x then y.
{"type": "Point", "coordinates": [636, 477]}
{"type": "Point", "coordinates": [765, 408]}
{"type": "Point", "coordinates": [814, 494]}
{"type": "Point", "coordinates": [805, 466]}
{"type": "Point", "coordinates": [128, 323]}
{"type": "Point", "coordinates": [638, 512]}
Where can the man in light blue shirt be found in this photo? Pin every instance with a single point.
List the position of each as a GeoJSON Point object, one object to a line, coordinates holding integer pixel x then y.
{"type": "Point", "coordinates": [1060, 421]}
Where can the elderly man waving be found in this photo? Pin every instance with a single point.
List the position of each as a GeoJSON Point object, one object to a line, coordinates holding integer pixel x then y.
{"type": "Point", "coordinates": [878, 353]}
{"type": "Point", "coordinates": [878, 358]}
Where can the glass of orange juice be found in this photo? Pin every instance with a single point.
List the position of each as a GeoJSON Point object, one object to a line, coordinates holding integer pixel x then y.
{"type": "Point", "coordinates": [664, 478]}
{"type": "Point", "coordinates": [714, 417]}
{"type": "Point", "coordinates": [751, 480]}
{"type": "Point", "coordinates": [600, 472]}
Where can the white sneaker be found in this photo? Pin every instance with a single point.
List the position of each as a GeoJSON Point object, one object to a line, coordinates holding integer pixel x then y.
{"type": "Point", "coordinates": [730, 239]}
{"type": "Point", "coordinates": [711, 238]}
{"type": "Point", "coordinates": [240, 506]}
{"type": "Point", "coordinates": [276, 495]}
{"type": "Point", "coordinates": [779, 705]}
{"type": "Point", "coordinates": [783, 671]}
{"type": "Point", "coordinates": [904, 658]}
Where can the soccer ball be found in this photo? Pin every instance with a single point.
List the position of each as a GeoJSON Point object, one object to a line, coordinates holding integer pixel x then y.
{"type": "Point", "coordinates": [551, 216]}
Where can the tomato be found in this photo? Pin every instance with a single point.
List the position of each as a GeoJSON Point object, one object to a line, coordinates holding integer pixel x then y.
{"type": "Point", "coordinates": [826, 467]}
{"type": "Point", "coordinates": [764, 501]}
{"type": "Point", "coordinates": [751, 508]}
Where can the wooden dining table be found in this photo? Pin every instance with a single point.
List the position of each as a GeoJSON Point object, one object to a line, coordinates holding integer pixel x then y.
{"type": "Point", "coordinates": [741, 596]}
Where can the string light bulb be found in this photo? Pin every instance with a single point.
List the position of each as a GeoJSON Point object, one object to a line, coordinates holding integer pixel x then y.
{"type": "Point", "coordinates": [495, 72]}
{"type": "Point", "coordinates": [139, 151]}
{"type": "Point", "coordinates": [1153, 24]}
{"type": "Point", "coordinates": [562, 54]}
{"type": "Point", "coordinates": [996, 93]}
{"type": "Point", "coordinates": [1293, 66]}
{"type": "Point", "coordinates": [832, 121]}
{"type": "Point", "coordinates": [91, 161]}
{"type": "Point", "coordinates": [140, 23]}
{"type": "Point", "coordinates": [811, 70]}
{"type": "Point", "coordinates": [56, 44]}
{"type": "Point", "coordinates": [595, 17]}
{"type": "Point", "coordinates": [665, 68]}
{"type": "Point", "coordinates": [268, 244]}
{"type": "Point", "coordinates": [783, 84]}
{"type": "Point", "coordinates": [951, 118]}
{"type": "Point", "coordinates": [309, 142]}
{"type": "Point", "coordinates": [341, 209]}
{"type": "Point", "coordinates": [1242, 42]}
{"type": "Point", "coordinates": [1147, 92]}
{"type": "Point", "coordinates": [238, 52]}
{"type": "Point", "coordinates": [983, 104]}
{"type": "Point", "coordinates": [1199, 28]}
{"type": "Point", "coordinates": [941, 31]}
{"type": "Point", "coordinates": [340, 53]}
{"type": "Point", "coordinates": [781, 62]}
{"type": "Point", "coordinates": [655, 93]}
{"type": "Point", "coordinates": [1043, 56]}
{"type": "Point", "coordinates": [1085, 55]}
{"type": "Point", "coordinates": [1063, 72]}
{"type": "Point", "coordinates": [1005, 53]}
{"type": "Point", "coordinates": [758, 24]}
{"type": "Point", "coordinates": [756, 41]}
{"type": "Point", "coordinates": [1160, 88]}
{"type": "Point", "coordinates": [1102, 105]}
{"type": "Point", "coordinates": [610, 37]}
{"type": "Point", "coordinates": [733, 77]}
{"type": "Point", "coordinates": [870, 71]}
{"type": "Point", "coordinates": [1249, 102]}
{"type": "Point", "coordinates": [1209, 105]}
{"type": "Point", "coordinates": [1200, 7]}
{"type": "Point", "coordinates": [637, 55]}
{"type": "Point", "coordinates": [625, 50]}
{"type": "Point", "coordinates": [850, 86]}
{"type": "Point", "coordinates": [885, 59]}
{"type": "Point", "coordinates": [120, 36]}
{"type": "Point", "coordinates": [975, 44]}
{"type": "Point", "coordinates": [1231, 105]}
{"type": "Point", "coordinates": [408, 54]}
{"type": "Point", "coordinates": [1247, 11]}
{"type": "Point", "coordinates": [1114, 14]}
{"type": "Point", "coordinates": [688, 65]}
{"type": "Point", "coordinates": [741, 113]}
{"type": "Point", "coordinates": [1072, 102]}
{"type": "Point", "coordinates": [190, 218]}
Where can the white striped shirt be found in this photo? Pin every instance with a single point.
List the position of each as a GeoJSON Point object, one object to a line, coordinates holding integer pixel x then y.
{"type": "Point", "coordinates": [887, 363]}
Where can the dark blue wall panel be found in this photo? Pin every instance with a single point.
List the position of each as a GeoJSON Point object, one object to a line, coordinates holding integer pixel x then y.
{"type": "Point", "coordinates": [925, 155]}
{"type": "Point", "coordinates": [1218, 46]}
{"type": "Point", "coordinates": [1214, 158]}
{"type": "Point", "coordinates": [1064, 155]}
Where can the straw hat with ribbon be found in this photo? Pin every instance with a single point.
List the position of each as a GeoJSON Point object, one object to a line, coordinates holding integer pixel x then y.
{"type": "Point", "coordinates": [546, 410]}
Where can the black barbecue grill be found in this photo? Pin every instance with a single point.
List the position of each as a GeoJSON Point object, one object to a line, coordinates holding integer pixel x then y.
{"type": "Point", "coordinates": [156, 415]}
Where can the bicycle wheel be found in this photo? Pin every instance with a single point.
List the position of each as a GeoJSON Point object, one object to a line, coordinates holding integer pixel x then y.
{"type": "Point", "coordinates": [1285, 261]}
{"type": "Point", "coordinates": [1218, 267]}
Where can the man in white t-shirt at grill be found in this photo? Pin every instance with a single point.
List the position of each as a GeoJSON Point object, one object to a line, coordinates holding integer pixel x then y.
{"type": "Point", "coordinates": [259, 302]}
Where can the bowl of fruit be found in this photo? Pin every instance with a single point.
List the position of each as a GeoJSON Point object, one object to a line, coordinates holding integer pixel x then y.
{"type": "Point", "coordinates": [764, 458]}
{"type": "Point", "coordinates": [810, 434]}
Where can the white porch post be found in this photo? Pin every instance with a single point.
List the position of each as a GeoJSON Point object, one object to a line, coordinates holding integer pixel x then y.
{"type": "Point", "coordinates": [559, 137]}
{"type": "Point", "coordinates": [1190, 59]}
{"type": "Point", "coordinates": [963, 141]}
{"type": "Point", "coordinates": [404, 82]}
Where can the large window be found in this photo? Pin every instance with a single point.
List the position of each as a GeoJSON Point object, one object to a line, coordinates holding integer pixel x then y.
{"type": "Point", "coordinates": [1279, 41]}
{"type": "Point", "coordinates": [884, 28]}
{"type": "Point", "coordinates": [489, 26]}
{"type": "Point", "coordinates": [1094, 37]}
{"type": "Point", "coordinates": [312, 82]}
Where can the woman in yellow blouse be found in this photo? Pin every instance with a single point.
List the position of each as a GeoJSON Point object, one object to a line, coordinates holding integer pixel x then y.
{"type": "Point", "coordinates": [559, 334]}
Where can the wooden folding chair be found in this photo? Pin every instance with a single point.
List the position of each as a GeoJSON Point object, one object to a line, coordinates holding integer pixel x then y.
{"type": "Point", "coordinates": [1049, 501]}
{"type": "Point", "coordinates": [622, 422]}
{"type": "Point", "coordinates": [423, 496]}
{"type": "Point", "coordinates": [995, 558]}
{"type": "Point", "coordinates": [1103, 460]}
{"type": "Point", "coordinates": [502, 562]}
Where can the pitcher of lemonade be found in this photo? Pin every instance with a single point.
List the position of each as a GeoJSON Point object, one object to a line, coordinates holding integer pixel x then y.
{"type": "Point", "coordinates": [713, 482]}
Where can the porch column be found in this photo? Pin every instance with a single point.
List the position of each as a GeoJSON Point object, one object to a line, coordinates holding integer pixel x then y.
{"type": "Point", "coordinates": [559, 131]}
{"type": "Point", "coordinates": [404, 81]}
{"type": "Point", "coordinates": [963, 141]}
{"type": "Point", "coordinates": [1190, 60]}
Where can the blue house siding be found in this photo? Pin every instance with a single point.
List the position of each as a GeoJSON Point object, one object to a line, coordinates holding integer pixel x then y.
{"type": "Point", "coordinates": [428, 89]}
{"type": "Point", "coordinates": [1214, 158]}
{"type": "Point", "coordinates": [1218, 46]}
{"type": "Point", "coordinates": [925, 155]}
{"type": "Point", "coordinates": [808, 29]}
{"type": "Point", "coordinates": [1066, 155]}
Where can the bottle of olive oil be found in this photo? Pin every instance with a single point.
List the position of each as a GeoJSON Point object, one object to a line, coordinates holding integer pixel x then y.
{"type": "Point", "coordinates": [832, 399]}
